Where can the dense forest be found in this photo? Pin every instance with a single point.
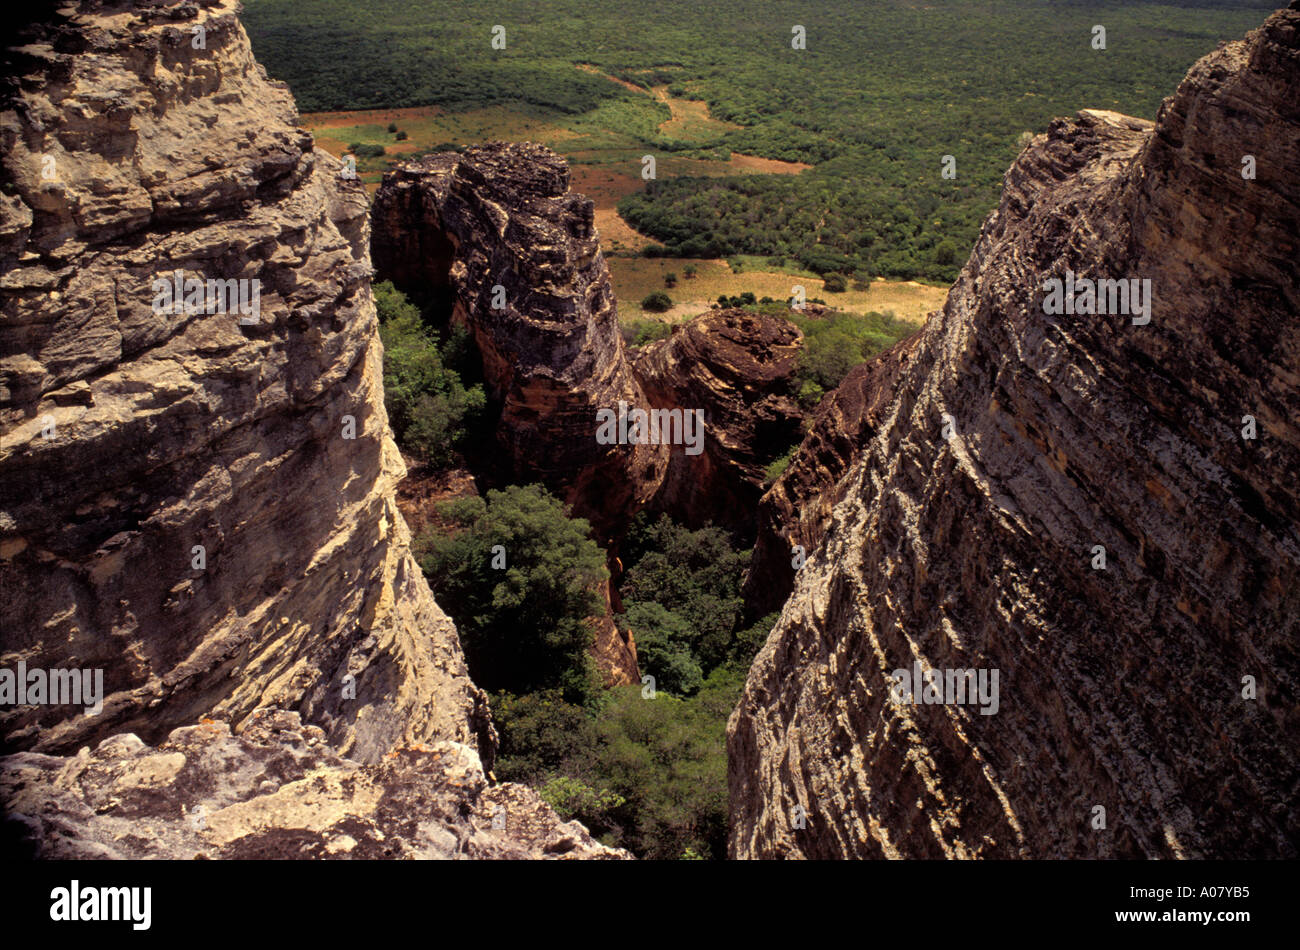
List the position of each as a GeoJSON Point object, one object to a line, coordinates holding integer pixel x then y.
{"type": "Point", "coordinates": [880, 94]}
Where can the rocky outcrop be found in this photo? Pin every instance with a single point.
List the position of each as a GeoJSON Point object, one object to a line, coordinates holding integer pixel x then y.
{"type": "Point", "coordinates": [198, 503]}
{"type": "Point", "coordinates": [737, 368]}
{"type": "Point", "coordinates": [497, 231]}
{"type": "Point", "coordinates": [527, 278]}
{"type": "Point", "coordinates": [1143, 699]}
{"type": "Point", "coordinates": [793, 513]}
{"type": "Point", "coordinates": [276, 790]}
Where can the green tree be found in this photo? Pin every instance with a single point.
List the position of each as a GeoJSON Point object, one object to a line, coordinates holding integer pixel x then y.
{"type": "Point", "coordinates": [521, 579]}
{"type": "Point", "coordinates": [694, 578]}
{"type": "Point", "coordinates": [429, 408]}
{"type": "Point", "coordinates": [657, 302]}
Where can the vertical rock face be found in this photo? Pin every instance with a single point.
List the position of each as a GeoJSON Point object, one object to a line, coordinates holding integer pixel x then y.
{"type": "Point", "coordinates": [736, 368]}
{"type": "Point", "coordinates": [500, 216]}
{"type": "Point", "coordinates": [181, 503]}
{"type": "Point", "coordinates": [1120, 688]}
{"type": "Point", "coordinates": [529, 281]}
{"type": "Point", "coordinates": [496, 235]}
{"type": "Point", "coordinates": [795, 511]}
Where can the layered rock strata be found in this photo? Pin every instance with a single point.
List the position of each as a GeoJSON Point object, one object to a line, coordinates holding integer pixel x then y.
{"type": "Point", "coordinates": [200, 504]}
{"type": "Point", "coordinates": [520, 254]}
{"type": "Point", "coordinates": [197, 496]}
{"type": "Point", "coordinates": [736, 369]}
{"type": "Point", "coordinates": [497, 230]}
{"type": "Point", "coordinates": [1146, 701]}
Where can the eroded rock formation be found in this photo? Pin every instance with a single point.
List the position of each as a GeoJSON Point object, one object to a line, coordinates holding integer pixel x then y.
{"type": "Point", "coordinates": [179, 504]}
{"type": "Point", "coordinates": [529, 281]}
{"type": "Point", "coordinates": [737, 368]}
{"type": "Point", "coordinates": [276, 790]}
{"type": "Point", "coordinates": [794, 512]}
{"type": "Point", "coordinates": [1121, 688]}
{"type": "Point", "coordinates": [200, 502]}
{"type": "Point", "coordinates": [497, 225]}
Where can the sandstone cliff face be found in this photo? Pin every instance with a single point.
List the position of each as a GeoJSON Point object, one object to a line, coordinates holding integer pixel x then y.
{"type": "Point", "coordinates": [737, 369]}
{"type": "Point", "coordinates": [501, 216]}
{"type": "Point", "coordinates": [1119, 687]}
{"type": "Point", "coordinates": [552, 354]}
{"type": "Point", "coordinates": [131, 437]}
{"type": "Point", "coordinates": [795, 511]}
{"type": "Point", "coordinates": [201, 504]}
{"type": "Point", "coordinates": [277, 790]}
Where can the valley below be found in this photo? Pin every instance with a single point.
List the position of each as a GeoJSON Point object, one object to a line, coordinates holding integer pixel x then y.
{"type": "Point", "coordinates": [543, 510]}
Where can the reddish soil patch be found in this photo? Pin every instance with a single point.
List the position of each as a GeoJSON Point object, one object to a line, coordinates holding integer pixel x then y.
{"type": "Point", "coordinates": [419, 494]}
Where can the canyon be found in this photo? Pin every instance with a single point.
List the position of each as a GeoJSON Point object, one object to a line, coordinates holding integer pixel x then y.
{"type": "Point", "coordinates": [205, 508]}
{"type": "Point", "coordinates": [181, 504]}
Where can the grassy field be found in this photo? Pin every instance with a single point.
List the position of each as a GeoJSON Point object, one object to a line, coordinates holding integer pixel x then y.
{"type": "Point", "coordinates": [635, 277]}
{"type": "Point", "coordinates": [606, 175]}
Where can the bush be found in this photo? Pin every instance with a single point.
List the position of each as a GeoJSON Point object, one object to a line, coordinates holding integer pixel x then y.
{"type": "Point", "coordinates": [361, 150]}
{"type": "Point", "coordinates": [401, 136]}
{"type": "Point", "coordinates": [392, 126]}
{"type": "Point", "coordinates": [524, 626]}
{"type": "Point", "coordinates": [690, 270]}
{"type": "Point", "coordinates": [670, 279]}
{"type": "Point", "coordinates": [430, 410]}
{"type": "Point", "coordinates": [663, 648]}
{"type": "Point", "coordinates": [835, 344]}
{"type": "Point", "coordinates": [641, 332]}
{"type": "Point", "coordinates": [657, 302]}
{"type": "Point", "coordinates": [574, 799]}
{"type": "Point", "coordinates": [778, 466]}
{"type": "Point", "coordinates": [835, 283]}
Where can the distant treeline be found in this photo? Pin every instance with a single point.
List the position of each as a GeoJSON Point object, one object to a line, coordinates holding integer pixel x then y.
{"type": "Point", "coordinates": [882, 92]}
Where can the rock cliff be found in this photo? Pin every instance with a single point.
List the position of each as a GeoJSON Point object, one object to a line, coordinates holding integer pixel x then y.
{"type": "Point", "coordinates": [497, 232]}
{"type": "Point", "coordinates": [1147, 691]}
{"type": "Point", "coordinates": [198, 503]}
{"type": "Point", "coordinates": [737, 368]}
{"type": "Point", "coordinates": [197, 496]}
{"type": "Point", "coordinates": [527, 278]}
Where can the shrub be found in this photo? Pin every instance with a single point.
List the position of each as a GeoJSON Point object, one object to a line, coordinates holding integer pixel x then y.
{"type": "Point", "coordinates": [524, 626]}
{"type": "Point", "coordinates": [401, 136]}
{"type": "Point", "coordinates": [641, 332]}
{"type": "Point", "coordinates": [778, 466]}
{"type": "Point", "coordinates": [835, 283]}
{"type": "Point", "coordinates": [657, 302]}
